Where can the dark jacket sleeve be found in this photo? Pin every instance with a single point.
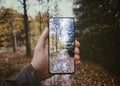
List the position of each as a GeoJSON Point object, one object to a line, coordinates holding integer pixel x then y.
{"type": "Point", "coordinates": [26, 77]}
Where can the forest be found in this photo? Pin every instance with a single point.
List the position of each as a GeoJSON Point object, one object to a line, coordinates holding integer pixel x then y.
{"type": "Point", "coordinates": [97, 28]}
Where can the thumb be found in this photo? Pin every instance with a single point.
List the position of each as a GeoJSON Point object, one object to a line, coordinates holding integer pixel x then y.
{"type": "Point", "coordinates": [42, 39]}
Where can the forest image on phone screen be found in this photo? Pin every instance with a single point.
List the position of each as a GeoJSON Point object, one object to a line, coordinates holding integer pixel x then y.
{"type": "Point", "coordinates": [61, 45]}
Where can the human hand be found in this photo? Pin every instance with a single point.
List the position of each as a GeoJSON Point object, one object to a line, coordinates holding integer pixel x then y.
{"type": "Point", "coordinates": [40, 57]}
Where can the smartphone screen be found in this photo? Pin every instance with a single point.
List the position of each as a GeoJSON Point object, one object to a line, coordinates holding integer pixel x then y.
{"type": "Point", "coordinates": [61, 45]}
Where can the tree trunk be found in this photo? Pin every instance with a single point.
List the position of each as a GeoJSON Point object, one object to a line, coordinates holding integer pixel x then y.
{"type": "Point", "coordinates": [56, 39]}
{"type": "Point", "coordinates": [40, 23]}
{"type": "Point", "coordinates": [28, 47]}
{"type": "Point", "coordinates": [15, 41]}
{"type": "Point", "coordinates": [13, 38]}
{"type": "Point", "coordinates": [53, 42]}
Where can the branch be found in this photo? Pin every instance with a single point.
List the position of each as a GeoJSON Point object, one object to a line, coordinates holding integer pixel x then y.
{"type": "Point", "coordinates": [21, 1]}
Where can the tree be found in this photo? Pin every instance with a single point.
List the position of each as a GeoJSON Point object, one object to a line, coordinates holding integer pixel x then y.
{"type": "Point", "coordinates": [8, 22]}
{"type": "Point", "coordinates": [38, 19]}
{"type": "Point", "coordinates": [28, 47]}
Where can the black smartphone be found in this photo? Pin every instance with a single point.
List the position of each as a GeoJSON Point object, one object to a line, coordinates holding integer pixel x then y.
{"type": "Point", "coordinates": [61, 45]}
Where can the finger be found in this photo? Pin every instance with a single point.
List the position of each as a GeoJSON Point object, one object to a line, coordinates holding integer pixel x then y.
{"type": "Point", "coordinates": [77, 58]}
{"type": "Point", "coordinates": [76, 51]}
{"type": "Point", "coordinates": [77, 62]}
{"type": "Point", "coordinates": [42, 39]}
{"type": "Point", "coordinates": [77, 44]}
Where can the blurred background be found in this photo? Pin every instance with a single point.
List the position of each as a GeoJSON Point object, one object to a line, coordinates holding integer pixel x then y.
{"type": "Point", "coordinates": [97, 29]}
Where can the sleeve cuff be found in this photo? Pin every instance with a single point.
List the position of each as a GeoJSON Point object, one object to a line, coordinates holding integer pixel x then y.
{"type": "Point", "coordinates": [28, 75]}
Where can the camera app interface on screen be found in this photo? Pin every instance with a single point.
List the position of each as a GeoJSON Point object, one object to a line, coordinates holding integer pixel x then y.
{"type": "Point", "coordinates": [61, 45]}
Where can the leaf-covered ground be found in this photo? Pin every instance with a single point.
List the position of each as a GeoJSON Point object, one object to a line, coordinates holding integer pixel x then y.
{"type": "Point", "coordinates": [11, 63]}
{"type": "Point", "coordinates": [87, 74]}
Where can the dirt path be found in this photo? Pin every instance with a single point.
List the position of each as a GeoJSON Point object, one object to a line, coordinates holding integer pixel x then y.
{"type": "Point", "coordinates": [63, 63]}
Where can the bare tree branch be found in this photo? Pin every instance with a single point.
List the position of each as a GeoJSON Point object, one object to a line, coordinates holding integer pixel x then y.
{"type": "Point", "coordinates": [21, 1]}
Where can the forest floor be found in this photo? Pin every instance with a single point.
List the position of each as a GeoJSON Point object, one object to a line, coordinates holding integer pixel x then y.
{"type": "Point", "coordinates": [62, 63]}
{"type": "Point", "coordinates": [87, 74]}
